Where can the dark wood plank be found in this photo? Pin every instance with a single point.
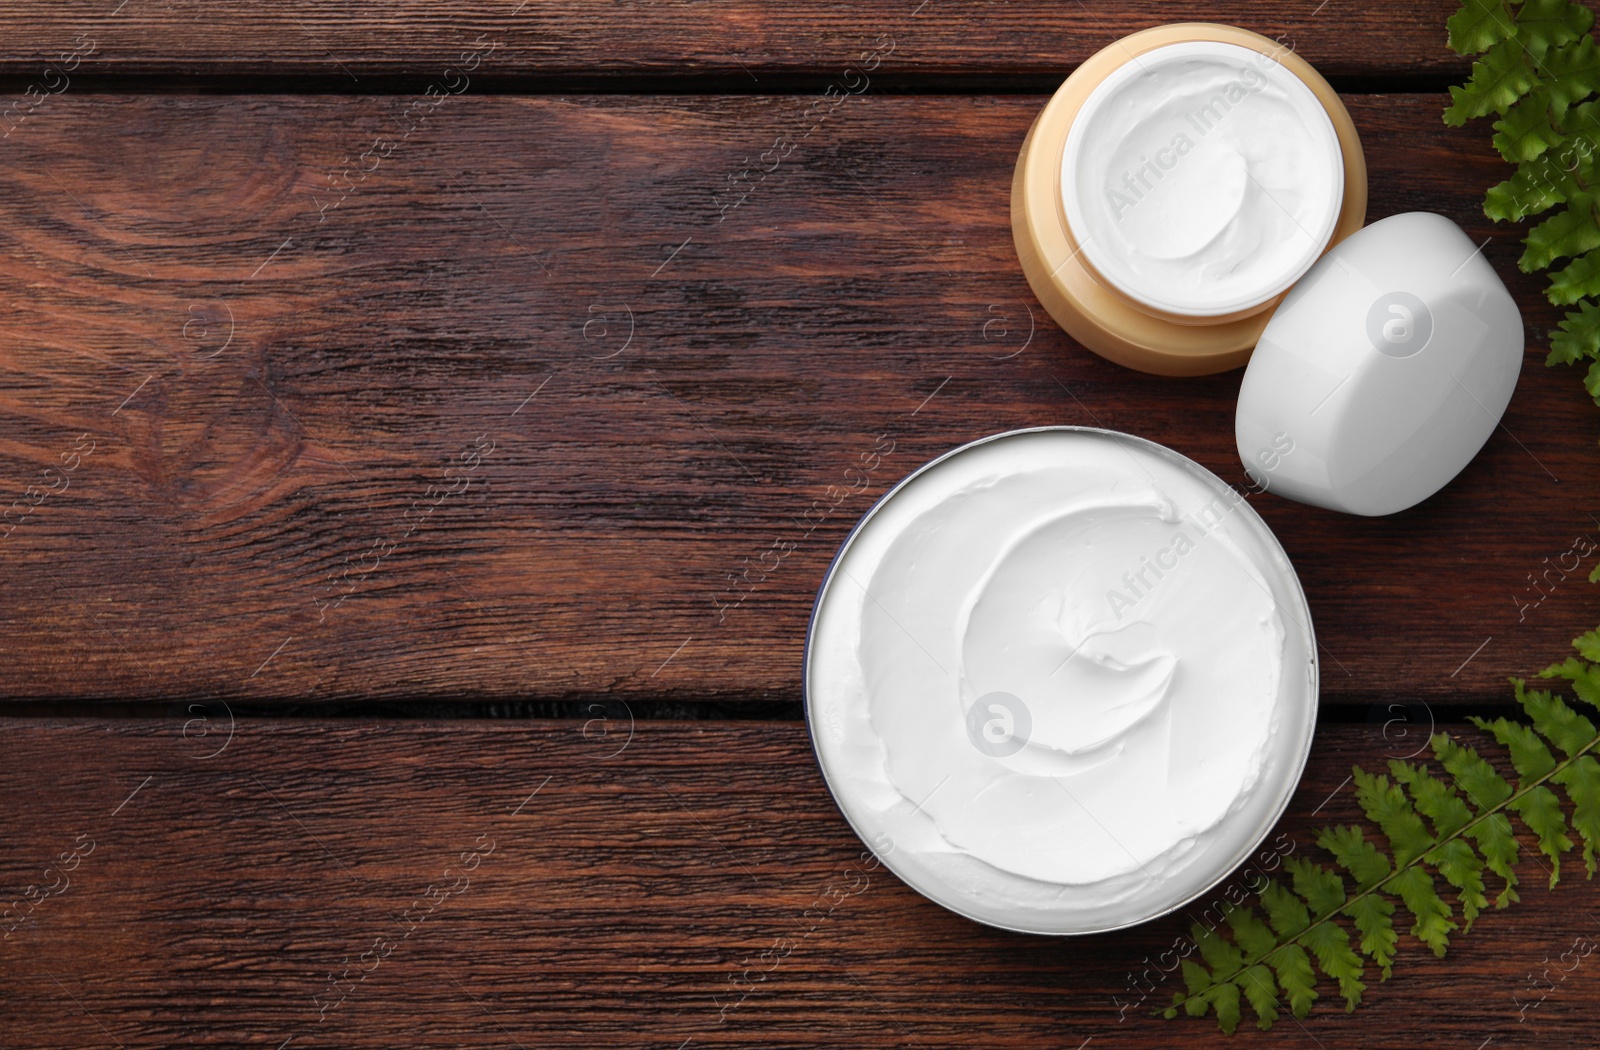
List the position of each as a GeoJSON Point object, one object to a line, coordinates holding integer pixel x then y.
{"type": "Point", "coordinates": [628, 890]}
{"type": "Point", "coordinates": [532, 314]}
{"type": "Point", "coordinates": [733, 38]}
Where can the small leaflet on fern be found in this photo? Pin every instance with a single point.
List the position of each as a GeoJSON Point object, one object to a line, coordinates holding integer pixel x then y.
{"type": "Point", "coordinates": [1331, 945]}
{"type": "Point", "coordinates": [1500, 850]}
{"type": "Point", "coordinates": [1591, 381]}
{"type": "Point", "coordinates": [1322, 889]}
{"type": "Point", "coordinates": [1527, 129]}
{"type": "Point", "coordinates": [1560, 724]}
{"type": "Point", "coordinates": [1529, 755]}
{"type": "Point", "coordinates": [1262, 991]}
{"type": "Point", "coordinates": [1218, 952]}
{"type": "Point", "coordinates": [1587, 643]}
{"type": "Point", "coordinates": [1295, 977]}
{"type": "Point", "coordinates": [1541, 811]}
{"type": "Point", "coordinates": [1225, 997]}
{"type": "Point", "coordinates": [1477, 26]}
{"type": "Point", "coordinates": [1387, 806]}
{"type": "Point", "coordinates": [1578, 280]}
{"type": "Point", "coordinates": [1576, 337]}
{"type": "Point", "coordinates": [1196, 978]}
{"type": "Point", "coordinates": [1476, 777]}
{"type": "Point", "coordinates": [1365, 863]}
{"type": "Point", "coordinates": [1285, 911]}
{"type": "Point", "coordinates": [1498, 79]}
{"type": "Point", "coordinates": [1584, 677]}
{"type": "Point", "coordinates": [1462, 868]}
{"type": "Point", "coordinates": [1432, 923]}
{"type": "Point", "coordinates": [1374, 919]}
{"type": "Point", "coordinates": [1435, 799]}
{"type": "Point", "coordinates": [1570, 73]}
{"type": "Point", "coordinates": [1569, 232]}
{"type": "Point", "coordinates": [1581, 780]}
{"type": "Point", "coordinates": [1250, 933]}
{"type": "Point", "coordinates": [1543, 24]}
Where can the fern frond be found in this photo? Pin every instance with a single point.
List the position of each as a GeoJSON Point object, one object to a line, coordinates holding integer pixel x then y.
{"type": "Point", "coordinates": [1537, 71]}
{"type": "Point", "coordinates": [1453, 825]}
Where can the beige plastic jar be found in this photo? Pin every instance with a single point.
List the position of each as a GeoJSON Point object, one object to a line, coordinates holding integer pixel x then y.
{"type": "Point", "coordinates": [1175, 187]}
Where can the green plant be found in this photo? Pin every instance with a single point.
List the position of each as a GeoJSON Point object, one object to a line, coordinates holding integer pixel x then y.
{"type": "Point", "coordinates": [1455, 825]}
{"type": "Point", "coordinates": [1538, 68]}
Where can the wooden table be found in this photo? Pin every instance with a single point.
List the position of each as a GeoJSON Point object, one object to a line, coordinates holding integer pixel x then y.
{"type": "Point", "coordinates": [404, 404]}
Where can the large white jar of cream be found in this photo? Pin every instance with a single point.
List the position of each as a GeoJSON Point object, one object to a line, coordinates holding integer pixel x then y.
{"type": "Point", "coordinates": [1062, 680]}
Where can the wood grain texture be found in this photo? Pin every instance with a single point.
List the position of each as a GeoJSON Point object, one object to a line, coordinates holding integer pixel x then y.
{"type": "Point", "coordinates": [519, 412]}
{"type": "Point", "coordinates": [632, 881]}
{"type": "Point", "coordinates": [736, 38]}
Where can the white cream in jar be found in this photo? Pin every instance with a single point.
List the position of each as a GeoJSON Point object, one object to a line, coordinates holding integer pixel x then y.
{"type": "Point", "coordinates": [1061, 680]}
{"type": "Point", "coordinates": [1202, 178]}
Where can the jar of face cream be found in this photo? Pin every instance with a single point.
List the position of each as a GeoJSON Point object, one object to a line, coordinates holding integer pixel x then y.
{"type": "Point", "coordinates": [1175, 187]}
{"type": "Point", "coordinates": [1061, 680]}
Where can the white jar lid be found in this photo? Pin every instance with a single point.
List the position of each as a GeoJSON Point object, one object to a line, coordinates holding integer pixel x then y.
{"type": "Point", "coordinates": [1383, 372]}
{"type": "Point", "coordinates": [1202, 178]}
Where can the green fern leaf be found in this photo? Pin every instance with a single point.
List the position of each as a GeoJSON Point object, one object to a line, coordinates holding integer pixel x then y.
{"type": "Point", "coordinates": [1558, 723]}
{"type": "Point", "coordinates": [1321, 888]}
{"type": "Point", "coordinates": [1286, 912]}
{"type": "Point", "coordinates": [1360, 858]}
{"type": "Point", "coordinates": [1529, 755]}
{"type": "Point", "coordinates": [1462, 868]}
{"type": "Point", "coordinates": [1374, 918]}
{"type": "Point", "coordinates": [1295, 977]}
{"type": "Point", "coordinates": [1541, 811]}
{"type": "Point", "coordinates": [1536, 186]}
{"type": "Point", "coordinates": [1454, 857]}
{"type": "Point", "coordinates": [1584, 678]}
{"type": "Point", "coordinates": [1435, 799]}
{"type": "Point", "coordinates": [1432, 926]}
{"type": "Point", "coordinates": [1195, 977]}
{"type": "Point", "coordinates": [1543, 24]}
{"type": "Point", "coordinates": [1498, 79]}
{"type": "Point", "coordinates": [1331, 945]}
{"type": "Point", "coordinates": [1262, 991]}
{"type": "Point", "coordinates": [1579, 279]}
{"type": "Point", "coordinates": [1588, 646]}
{"type": "Point", "coordinates": [1570, 73]}
{"type": "Point", "coordinates": [1225, 997]}
{"type": "Point", "coordinates": [1218, 952]}
{"type": "Point", "coordinates": [1528, 128]}
{"type": "Point", "coordinates": [1582, 783]}
{"type": "Point", "coordinates": [1569, 232]}
{"type": "Point", "coordinates": [1431, 824]}
{"type": "Point", "coordinates": [1251, 934]}
{"type": "Point", "coordinates": [1498, 843]}
{"type": "Point", "coordinates": [1488, 790]}
{"type": "Point", "coordinates": [1477, 26]}
{"type": "Point", "coordinates": [1387, 806]}
{"type": "Point", "coordinates": [1575, 338]}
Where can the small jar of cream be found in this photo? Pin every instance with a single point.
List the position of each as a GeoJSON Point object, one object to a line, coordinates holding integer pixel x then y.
{"type": "Point", "coordinates": [1175, 187]}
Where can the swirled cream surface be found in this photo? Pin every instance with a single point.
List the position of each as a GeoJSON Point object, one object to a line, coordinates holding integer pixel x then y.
{"type": "Point", "coordinates": [1061, 680]}
{"type": "Point", "coordinates": [1202, 178]}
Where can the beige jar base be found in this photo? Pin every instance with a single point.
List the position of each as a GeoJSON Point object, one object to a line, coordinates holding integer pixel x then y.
{"type": "Point", "coordinates": [1091, 311]}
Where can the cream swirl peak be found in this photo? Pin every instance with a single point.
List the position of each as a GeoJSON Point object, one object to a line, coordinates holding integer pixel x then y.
{"type": "Point", "coordinates": [1043, 757]}
{"type": "Point", "coordinates": [1202, 178]}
